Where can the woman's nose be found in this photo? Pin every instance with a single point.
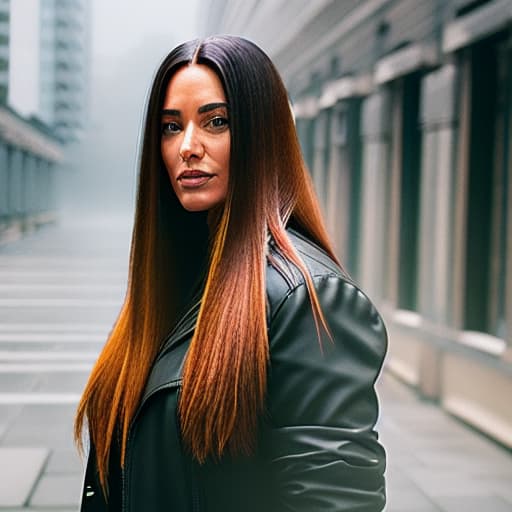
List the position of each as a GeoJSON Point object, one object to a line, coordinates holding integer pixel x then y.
{"type": "Point", "coordinates": [191, 145]}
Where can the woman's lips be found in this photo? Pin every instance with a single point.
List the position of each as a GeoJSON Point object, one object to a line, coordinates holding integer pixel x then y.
{"type": "Point", "coordinates": [194, 178]}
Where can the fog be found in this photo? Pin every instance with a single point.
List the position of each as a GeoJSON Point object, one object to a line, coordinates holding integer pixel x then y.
{"type": "Point", "coordinates": [128, 40]}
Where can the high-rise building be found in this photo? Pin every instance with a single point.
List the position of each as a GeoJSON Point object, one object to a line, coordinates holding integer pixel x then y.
{"type": "Point", "coordinates": [64, 65]}
{"type": "Point", "coordinates": [49, 62]}
{"type": "Point", "coordinates": [4, 49]}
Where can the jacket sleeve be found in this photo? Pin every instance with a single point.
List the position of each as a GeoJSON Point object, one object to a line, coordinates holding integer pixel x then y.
{"type": "Point", "coordinates": [322, 447]}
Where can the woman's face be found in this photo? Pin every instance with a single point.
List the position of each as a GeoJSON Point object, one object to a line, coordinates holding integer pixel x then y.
{"type": "Point", "coordinates": [196, 140]}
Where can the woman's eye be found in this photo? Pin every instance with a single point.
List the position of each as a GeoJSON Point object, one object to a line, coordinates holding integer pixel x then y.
{"type": "Point", "coordinates": [218, 122]}
{"type": "Point", "coordinates": [170, 128]}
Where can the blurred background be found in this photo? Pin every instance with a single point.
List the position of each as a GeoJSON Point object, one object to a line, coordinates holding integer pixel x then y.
{"type": "Point", "coordinates": [404, 112]}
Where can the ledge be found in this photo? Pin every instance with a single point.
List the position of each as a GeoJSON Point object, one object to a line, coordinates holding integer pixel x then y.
{"type": "Point", "coordinates": [405, 61]}
{"type": "Point", "coordinates": [306, 108]}
{"type": "Point", "coordinates": [475, 26]}
{"type": "Point", "coordinates": [344, 88]}
{"type": "Point", "coordinates": [22, 134]}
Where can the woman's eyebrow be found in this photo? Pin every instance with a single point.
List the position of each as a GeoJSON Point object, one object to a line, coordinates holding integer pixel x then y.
{"type": "Point", "coordinates": [211, 106]}
{"type": "Point", "coordinates": [170, 112]}
{"type": "Point", "coordinates": [201, 110]}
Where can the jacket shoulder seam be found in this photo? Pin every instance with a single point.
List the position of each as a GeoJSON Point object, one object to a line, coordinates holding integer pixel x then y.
{"type": "Point", "coordinates": [315, 277]}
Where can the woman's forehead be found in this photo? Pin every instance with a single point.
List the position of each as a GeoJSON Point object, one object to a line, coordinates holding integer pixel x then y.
{"type": "Point", "coordinates": [194, 82]}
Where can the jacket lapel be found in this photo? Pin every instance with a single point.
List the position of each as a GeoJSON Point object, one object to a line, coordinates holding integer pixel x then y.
{"type": "Point", "coordinates": [168, 367]}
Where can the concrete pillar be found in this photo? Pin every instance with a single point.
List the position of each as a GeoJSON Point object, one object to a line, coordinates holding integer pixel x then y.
{"type": "Point", "coordinates": [51, 191]}
{"type": "Point", "coordinates": [319, 156]}
{"type": "Point", "coordinates": [4, 182]}
{"type": "Point", "coordinates": [44, 177]}
{"type": "Point", "coordinates": [16, 182]}
{"type": "Point", "coordinates": [375, 175]}
{"type": "Point", "coordinates": [436, 215]}
{"type": "Point", "coordinates": [338, 185]}
{"type": "Point", "coordinates": [343, 191]}
{"type": "Point", "coordinates": [30, 186]}
{"type": "Point", "coordinates": [436, 222]}
{"type": "Point", "coordinates": [39, 181]}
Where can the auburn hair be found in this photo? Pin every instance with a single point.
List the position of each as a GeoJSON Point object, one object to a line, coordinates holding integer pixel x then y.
{"type": "Point", "coordinates": [225, 372]}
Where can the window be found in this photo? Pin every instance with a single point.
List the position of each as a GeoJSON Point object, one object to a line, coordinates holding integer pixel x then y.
{"type": "Point", "coordinates": [409, 194]}
{"type": "Point", "coordinates": [62, 65]}
{"type": "Point", "coordinates": [488, 202]}
{"type": "Point", "coordinates": [354, 151]}
{"type": "Point", "coordinates": [402, 194]}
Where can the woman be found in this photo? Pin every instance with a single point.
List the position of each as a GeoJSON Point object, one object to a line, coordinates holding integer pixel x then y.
{"type": "Point", "coordinates": [240, 373]}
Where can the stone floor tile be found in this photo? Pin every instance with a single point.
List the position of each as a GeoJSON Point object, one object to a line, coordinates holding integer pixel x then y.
{"type": "Point", "coordinates": [7, 412]}
{"type": "Point", "coordinates": [64, 461]}
{"type": "Point", "coordinates": [446, 459]}
{"type": "Point", "coordinates": [409, 500]}
{"type": "Point", "coordinates": [54, 383]}
{"type": "Point", "coordinates": [57, 491]}
{"type": "Point", "coordinates": [17, 382]}
{"type": "Point", "coordinates": [45, 425]}
{"type": "Point", "coordinates": [501, 487]}
{"type": "Point", "coordinates": [47, 415]}
{"type": "Point", "coordinates": [397, 458]}
{"type": "Point", "coordinates": [398, 479]}
{"type": "Point", "coordinates": [442, 482]}
{"type": "Point", "coordinates": [19, 470]}
{"type": "Point", "coordinates": [473, 504]}
{"type": "Point", "coordinates": [21, 434]}
{"type": "Point", "coordinates": [408, 507]}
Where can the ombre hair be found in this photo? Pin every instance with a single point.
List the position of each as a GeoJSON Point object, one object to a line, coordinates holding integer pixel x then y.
{"type": "Point", "coordinates": [225, 373]}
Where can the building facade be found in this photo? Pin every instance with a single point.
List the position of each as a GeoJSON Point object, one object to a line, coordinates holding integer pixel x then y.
{"type": "Point", "coordinates": [49, 63]}
{"type": "Point", "coordinates": [4, 49]}
{"type": "Point", "coordinates": [64, 66]}
{"type": "Point", "coordinates": [44, 77]}
{"type": "Point", "coordinates": [404, 110]}
{"type": "Point", "coordinates": [29, 155]}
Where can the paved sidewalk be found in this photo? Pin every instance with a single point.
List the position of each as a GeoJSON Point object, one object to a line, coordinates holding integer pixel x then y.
{"type": "Point", "coordinates": [60, 291]}
{"type": "Point", "coordinates": [435, 462]}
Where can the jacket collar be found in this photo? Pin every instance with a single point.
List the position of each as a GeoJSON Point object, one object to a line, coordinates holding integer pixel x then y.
{"type": "Point", "coordinates": [168, 367]}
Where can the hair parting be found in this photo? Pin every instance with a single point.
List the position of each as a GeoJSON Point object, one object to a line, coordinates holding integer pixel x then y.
{"type": "Point", "coordinates": [193, 60]}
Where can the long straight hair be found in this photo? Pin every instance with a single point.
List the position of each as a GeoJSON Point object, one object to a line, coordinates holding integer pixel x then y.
{"type": "Point", "coordinates": [225, 372]}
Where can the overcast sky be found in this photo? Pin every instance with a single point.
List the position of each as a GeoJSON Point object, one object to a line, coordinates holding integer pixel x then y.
{"type": "Point", "coordinates": [129, 38]}
{"type": "Point", "coordinates": [119, 25]}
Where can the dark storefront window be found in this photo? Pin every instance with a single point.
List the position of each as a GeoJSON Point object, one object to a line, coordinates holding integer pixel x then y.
{"type": "Point", "coordinates": [489, 174]}
{"type": "Point", "coordinates": [409, 194]}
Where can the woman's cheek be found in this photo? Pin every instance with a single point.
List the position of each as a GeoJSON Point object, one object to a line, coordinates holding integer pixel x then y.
{"type": "Point", "coordinates": [166, 157]}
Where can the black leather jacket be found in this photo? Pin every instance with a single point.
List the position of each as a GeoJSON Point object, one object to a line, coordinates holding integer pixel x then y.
{"type": "Point", "coordinates": [318, 450]}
